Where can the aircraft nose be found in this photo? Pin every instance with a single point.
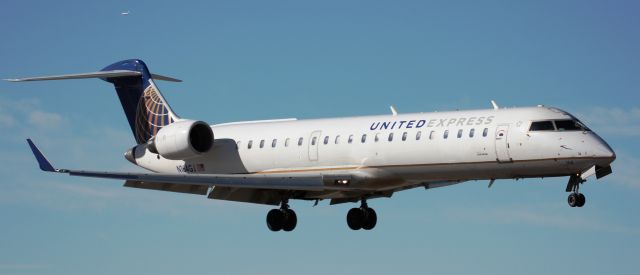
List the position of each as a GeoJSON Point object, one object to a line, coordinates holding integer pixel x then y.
{"type": "Point", "coordinates": [603, 150]}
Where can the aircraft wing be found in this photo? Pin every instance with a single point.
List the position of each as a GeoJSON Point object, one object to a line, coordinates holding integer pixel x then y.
{"type": "Point", "coordinates": [255, 181]}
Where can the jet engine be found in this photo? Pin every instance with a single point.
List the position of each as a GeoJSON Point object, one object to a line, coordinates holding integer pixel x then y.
{"type": "Point", "coordinates": [182, 140]}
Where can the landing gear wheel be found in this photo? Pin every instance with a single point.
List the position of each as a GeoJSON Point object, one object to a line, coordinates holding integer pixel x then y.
{"type": "Point", "coordinates": [355, 218]}
{"type": "Point", "coordinates": [581, 200]}
{"type": "Point", "coordinates": [290, 220]}
{"type": "Point", "coordinates": [572, 200]}
{"type": "Point", "coordinates": [370, 219]}
{"type": "Point", "coordinates": [275, 220]}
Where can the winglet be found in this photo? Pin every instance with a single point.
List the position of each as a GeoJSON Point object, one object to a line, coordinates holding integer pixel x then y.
{"type": "Point", "coordinates": [45, 165]}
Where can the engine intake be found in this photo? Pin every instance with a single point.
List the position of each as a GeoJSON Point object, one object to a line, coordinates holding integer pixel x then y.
{"type": "Point", "coordinates": [182, 140]}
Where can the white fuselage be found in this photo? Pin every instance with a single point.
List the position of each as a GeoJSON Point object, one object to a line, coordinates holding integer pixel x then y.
{"type": "Point", "coordinates": [436, 149]}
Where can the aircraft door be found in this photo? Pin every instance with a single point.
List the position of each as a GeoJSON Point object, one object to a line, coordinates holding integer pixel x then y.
{"type": "Point", "coordinates": [314, 140]}
{"type": "Point", "coordinates": [502, 143]}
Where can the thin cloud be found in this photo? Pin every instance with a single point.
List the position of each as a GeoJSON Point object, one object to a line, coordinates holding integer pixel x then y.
{"type": "Point", "coordinates": [544, 215]}
{"type": "Point", "coordinates": [45, 120]}
{"type": "Point", "coordinates": [90, 192]}
{"type": "Point", "coordinates": [613, 121]}
{"type": "Point", "coordinates": [626, 170]}
{"type": "Point", "coordinates": [6, 121]}
{"type": "Point", "coordinates": [28, 112]}
{"type": "Point", "coordinates": [17, 267]}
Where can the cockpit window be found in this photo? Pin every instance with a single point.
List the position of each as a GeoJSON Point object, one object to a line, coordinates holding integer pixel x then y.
{"type": "Point", "coordinates": [560, 125]}
{"type": "Point", "coordinates": [570, 125]}
{"type": "Point", "coordinates": [541, 126]}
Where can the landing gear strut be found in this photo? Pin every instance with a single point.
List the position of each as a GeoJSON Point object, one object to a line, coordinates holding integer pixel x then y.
{"type": "Point", "coordinates": [282, 219]}
{"type": "Point", "coordinates": [362, 218]}
{"type": "Point", "coordinates": [575, 199]}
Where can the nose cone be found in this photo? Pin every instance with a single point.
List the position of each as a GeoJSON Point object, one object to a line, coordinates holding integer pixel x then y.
{"type": "Point", "coordinates": [603, 150]}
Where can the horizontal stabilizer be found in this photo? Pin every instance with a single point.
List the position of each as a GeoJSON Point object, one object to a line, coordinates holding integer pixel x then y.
{"type": "Point", "coordinates": [100, 74]}
{"type": "Point", "coordinates": [165, 78]}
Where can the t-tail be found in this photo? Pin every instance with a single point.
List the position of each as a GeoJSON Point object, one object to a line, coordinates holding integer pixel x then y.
{"type": "Point", "coordinates": [144, 106]}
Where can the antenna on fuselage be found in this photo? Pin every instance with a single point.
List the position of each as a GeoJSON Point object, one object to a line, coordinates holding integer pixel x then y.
{"type": "Point", "coordinates": [394, 112]}
{"type": "Point", "coordinates": [495, 105]}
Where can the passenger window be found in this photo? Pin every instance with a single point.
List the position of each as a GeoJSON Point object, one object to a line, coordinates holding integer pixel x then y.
{"type": "Point", "coordinates": [541, 126]}
{"type": "Point", "coordinates": [377, 138]}
{"type": "Point", "coordinates": [446, 133]}
{"type": "Point", "coordinates": [460, 133]}
{"type": "Point", "coordinates": [471, 132]}
{"type": "Point", "coordinates": [404, 136]}
{"type": "Point", "coordinates": [261, 143]}
{"type": "Point", "coordinates": [286, 142]}
{"type": "Point", "coordinates": [273, 143]}
{"type": "Point", "coordinates": [485, 132]}
{"type": "Point", "coordinates": [350, 139]}
{"type": "Point", "coordinates": [418, 134]}
{"type": "Point", "coordinates": [337, 139]}
{"type": "Point", "coordinates": [432, 134]}
{"type": "Point", "coordinates": [568, 125]}
{"type": "Point", "coordinates": [300, 141]}
{"type": "Point", "coordinates": [326, 140]}
{"type": "Point", "coordinates": [390, 137]}
{"type": "Point", "coordinates": [364, 138]}
{"type": "Point", "coordinates": [313, 140]}
{"type": "Point", "coordinates": [250, 144]}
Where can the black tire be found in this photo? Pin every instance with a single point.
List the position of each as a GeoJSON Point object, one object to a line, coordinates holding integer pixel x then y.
{"type": "Point", "coordinates": [275, 220]}
{"type": "Point", "coordinates": [572, 199]}
{"type": "Point", "coordinates": [581, 200]}
{"type": "Point", "coordinates": [355, 218]}
{"type": "Point", "coordinates": [290, 220]}
{"type": "Point", "coordinates": [371, 218]}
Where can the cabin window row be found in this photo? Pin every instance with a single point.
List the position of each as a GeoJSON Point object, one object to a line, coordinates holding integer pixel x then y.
{"type": "Point", "coordinates": [363, 138]}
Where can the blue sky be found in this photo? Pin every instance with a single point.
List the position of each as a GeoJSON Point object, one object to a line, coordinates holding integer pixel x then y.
{"type": "Point", "coordinates": [246, 60]}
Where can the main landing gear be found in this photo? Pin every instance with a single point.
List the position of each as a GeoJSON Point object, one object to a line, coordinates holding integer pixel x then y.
{"type": "Point", "coordinates": [575, 199]}
{"type": "Point", "coordinates": [357, 218]}
{"type": "Point", "coordinates": [282, 219]}
{"type": "Point", "coordinates": [362, 218]}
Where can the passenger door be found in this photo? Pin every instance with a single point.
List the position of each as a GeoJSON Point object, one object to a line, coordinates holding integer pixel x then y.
{"type": "Point", "coordinates": [314, 140]}
{"type": "Point", "coordinates": [502, 143]}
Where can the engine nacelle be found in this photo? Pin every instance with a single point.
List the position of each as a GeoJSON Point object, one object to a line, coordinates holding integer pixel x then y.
{"type": "Point", "coordinates": [182, 140]}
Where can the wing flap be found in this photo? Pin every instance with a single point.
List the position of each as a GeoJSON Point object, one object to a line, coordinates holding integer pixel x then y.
{"type": "Point", "coordinates": [259, 196]}
{"type": "Point", "coordinates": [170, 187]}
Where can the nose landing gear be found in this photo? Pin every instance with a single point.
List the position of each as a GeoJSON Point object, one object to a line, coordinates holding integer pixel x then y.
{"type": "Point", "coordinates": [362, 218]}
{"type": "Point", "coordinates": [575, 199]}
{"type": "Point", "coordinates": [282, 219]}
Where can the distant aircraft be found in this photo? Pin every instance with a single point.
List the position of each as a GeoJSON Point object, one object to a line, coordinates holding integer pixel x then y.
{"type": "Point", "coordinates": [339, 159]}
{"type": "Point", "coordinates": [125, 13]}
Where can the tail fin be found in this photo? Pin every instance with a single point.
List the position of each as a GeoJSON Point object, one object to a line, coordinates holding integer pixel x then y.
{"type": "Point", "coordinates": [146, 109]}
{"type": "Point", "coordinates": [144, 106]}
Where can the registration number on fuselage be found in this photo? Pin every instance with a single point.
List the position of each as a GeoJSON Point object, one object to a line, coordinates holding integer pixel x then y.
{"type": "Point", "coordinates": [190, 168]}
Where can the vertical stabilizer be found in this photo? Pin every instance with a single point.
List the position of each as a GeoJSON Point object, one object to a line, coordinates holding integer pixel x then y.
{"type": "Point", "coordinates": [146, 109]}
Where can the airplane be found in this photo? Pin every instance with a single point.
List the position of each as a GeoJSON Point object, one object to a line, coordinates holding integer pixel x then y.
{"type": "Point", "coordinates": [344, 160]}
{"type": "Point", "coordinates": [125, 13]}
